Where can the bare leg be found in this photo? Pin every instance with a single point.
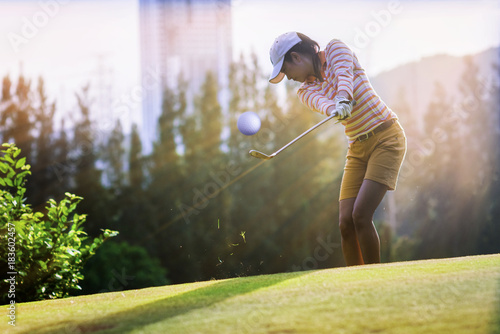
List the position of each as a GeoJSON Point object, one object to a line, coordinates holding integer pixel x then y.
{"type": "Point", "coordinates": [350, 246]}
{"type": "Point", "coordinates": [369, 197]}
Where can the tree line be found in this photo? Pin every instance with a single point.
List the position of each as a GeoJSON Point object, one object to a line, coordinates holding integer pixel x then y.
{"type": "Point", "coordinates": [198, 207]}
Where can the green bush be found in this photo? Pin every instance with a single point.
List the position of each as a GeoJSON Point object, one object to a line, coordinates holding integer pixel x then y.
{"type": "Point", "coordinates": [41, 255]}
{"type": "Point", "coordinates": [121, 266]}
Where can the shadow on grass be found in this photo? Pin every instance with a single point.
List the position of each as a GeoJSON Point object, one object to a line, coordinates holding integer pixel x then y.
{"type": "Point", "coordinates": [168, 307]}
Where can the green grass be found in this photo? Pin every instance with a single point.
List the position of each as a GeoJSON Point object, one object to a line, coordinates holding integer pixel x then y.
{"type": "Point", "coordinates": [458, 295]}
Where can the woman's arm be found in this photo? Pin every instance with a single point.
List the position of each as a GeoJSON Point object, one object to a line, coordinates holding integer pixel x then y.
{"type": "Point", "coordinates": [341, 59]}
{"type": "Point", "coordinates": [315, 100]}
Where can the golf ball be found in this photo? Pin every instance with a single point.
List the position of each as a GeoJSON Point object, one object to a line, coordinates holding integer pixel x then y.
{"type": "Point", "coordinates": [249, 123]}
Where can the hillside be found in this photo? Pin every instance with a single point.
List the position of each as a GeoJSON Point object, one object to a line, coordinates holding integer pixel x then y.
{"type": "Point", "coordinates": [458, 295]}
{"type": "Point", "coordinates": [417, 79]}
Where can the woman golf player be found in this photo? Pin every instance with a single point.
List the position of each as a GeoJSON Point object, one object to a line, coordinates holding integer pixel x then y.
{"type": "Point", "coordinates": [331, 79]}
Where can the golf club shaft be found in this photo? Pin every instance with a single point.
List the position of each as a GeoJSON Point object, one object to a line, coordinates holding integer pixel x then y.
{"type": "Point", "coordinates": [261, 155]}
{"type": "Point", "coordinates": [305, 133]}
{"type": "Point", "coordinates": [353, 102]}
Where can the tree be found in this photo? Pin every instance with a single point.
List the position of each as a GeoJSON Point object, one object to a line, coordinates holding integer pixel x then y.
{"type": "Point", "coordinates": [136, 176]}
{"type": "Point", "coordinates": [62, 166]}
{"type": "Point", "coordinates": [132, 209]}
{"type": "Point", "coordinates": [44, 182]}
{"type": "Point", "coordinates": [16, 119]}
{"type": "Point", "coordinates": [435, 204]}
{"type": "Point", "coordinates": [487, 241]}
{"type": "Point", "coordinates": [113, 156]}
{"type": "Point", "coordinates": [87, 177]}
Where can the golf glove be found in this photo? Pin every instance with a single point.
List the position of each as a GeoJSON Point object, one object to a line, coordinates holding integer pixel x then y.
{"type": "Point", "coordinates": [343, 107]}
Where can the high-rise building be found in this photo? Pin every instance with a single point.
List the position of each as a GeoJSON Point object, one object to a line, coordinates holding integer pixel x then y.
{"type": "Point", "coordinates": [181, 36]}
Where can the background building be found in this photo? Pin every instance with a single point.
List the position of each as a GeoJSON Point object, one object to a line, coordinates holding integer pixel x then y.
{"type": "Point", "coordinates": [181, 36]}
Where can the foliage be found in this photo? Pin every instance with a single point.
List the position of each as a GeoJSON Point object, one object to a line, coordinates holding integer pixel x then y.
{"type": "Point", "coordinates": [128, 267]}
{"type": "Point", "coordinates": [47, 250]}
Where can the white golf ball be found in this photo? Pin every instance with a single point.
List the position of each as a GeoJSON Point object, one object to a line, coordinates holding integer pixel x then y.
{"type": "Point", "coordinates": [249, 123]}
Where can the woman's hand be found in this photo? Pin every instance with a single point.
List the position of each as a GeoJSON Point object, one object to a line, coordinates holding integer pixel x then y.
{"type": "Point", "coordinates": [343, 107]}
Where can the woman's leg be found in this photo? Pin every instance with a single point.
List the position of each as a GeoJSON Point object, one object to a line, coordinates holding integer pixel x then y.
{"type": "Point", "coordinates": [350, 245]}
{"type": "Point", "coordinates": [369, 197]}
{"type": "Point", "coordinates": [360, 241]}
{"type": "Point", "coordinates": [378, 158]}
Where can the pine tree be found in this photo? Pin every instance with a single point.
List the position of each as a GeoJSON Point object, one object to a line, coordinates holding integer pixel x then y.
{"type": "Point", "coordinates": [113, 156]}
{"type": "Point", "coordinates": [87, 177]}
{"type": "Point", "coordinates": [134, 210]}
{"type": "Point", "coordinates": [17, 120]}
{"type": "Point", "coordinates": [434, 207]}
{"type": "Point", "coordinates": [487, 241]}
{"type": "Point", "coordinates": [62, 166]}
{"type": "Point", "coordinates": [44, 181]}
{"type": "Point", "coordinates": [6, 109]}
{"type": "Point", "coordinates": [136, 177]}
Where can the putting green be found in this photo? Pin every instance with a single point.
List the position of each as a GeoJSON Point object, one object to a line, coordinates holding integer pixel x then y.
{"type": "Point", "coordinates": [457, 295]}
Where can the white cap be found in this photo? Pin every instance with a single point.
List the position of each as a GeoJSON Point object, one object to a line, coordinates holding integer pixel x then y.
{"type": "Point", "coordinates": [282, 44]}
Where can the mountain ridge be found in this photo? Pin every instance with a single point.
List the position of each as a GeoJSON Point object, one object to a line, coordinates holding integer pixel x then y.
{"type": "Point", "coordinates": [416, 80]}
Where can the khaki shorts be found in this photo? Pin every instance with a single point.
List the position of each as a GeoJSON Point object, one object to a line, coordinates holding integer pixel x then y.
{"type": "Point", "coordinates": [378, 158]}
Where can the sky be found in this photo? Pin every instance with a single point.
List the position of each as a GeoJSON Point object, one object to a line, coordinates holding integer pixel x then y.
{"type": "Point", "coordinates": [384, 34]}
{"type": "Point", "coordinates": [72, 43]}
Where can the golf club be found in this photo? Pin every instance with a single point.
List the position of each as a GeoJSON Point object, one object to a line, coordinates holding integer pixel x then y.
{"type": "Point", "coordinates": [264, 156]}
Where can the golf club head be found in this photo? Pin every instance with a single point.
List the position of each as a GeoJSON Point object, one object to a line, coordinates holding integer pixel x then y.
{"type": "Point", "coordinates": [260, 155]}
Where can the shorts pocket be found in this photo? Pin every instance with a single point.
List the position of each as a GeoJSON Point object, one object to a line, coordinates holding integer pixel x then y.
{"type": "Point", "coordinates": [394, 140]}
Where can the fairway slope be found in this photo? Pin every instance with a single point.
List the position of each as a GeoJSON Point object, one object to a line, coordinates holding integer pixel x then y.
{"type": "Point", "coordinates": [457, 295]}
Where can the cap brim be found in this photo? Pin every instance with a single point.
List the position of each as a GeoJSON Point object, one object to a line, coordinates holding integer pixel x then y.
{"type": "Point", "coordinates": [277, 75]}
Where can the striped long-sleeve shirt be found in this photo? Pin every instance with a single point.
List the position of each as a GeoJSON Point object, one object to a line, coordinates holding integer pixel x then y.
{"type": "Point", "coordinates": [342, 71]}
